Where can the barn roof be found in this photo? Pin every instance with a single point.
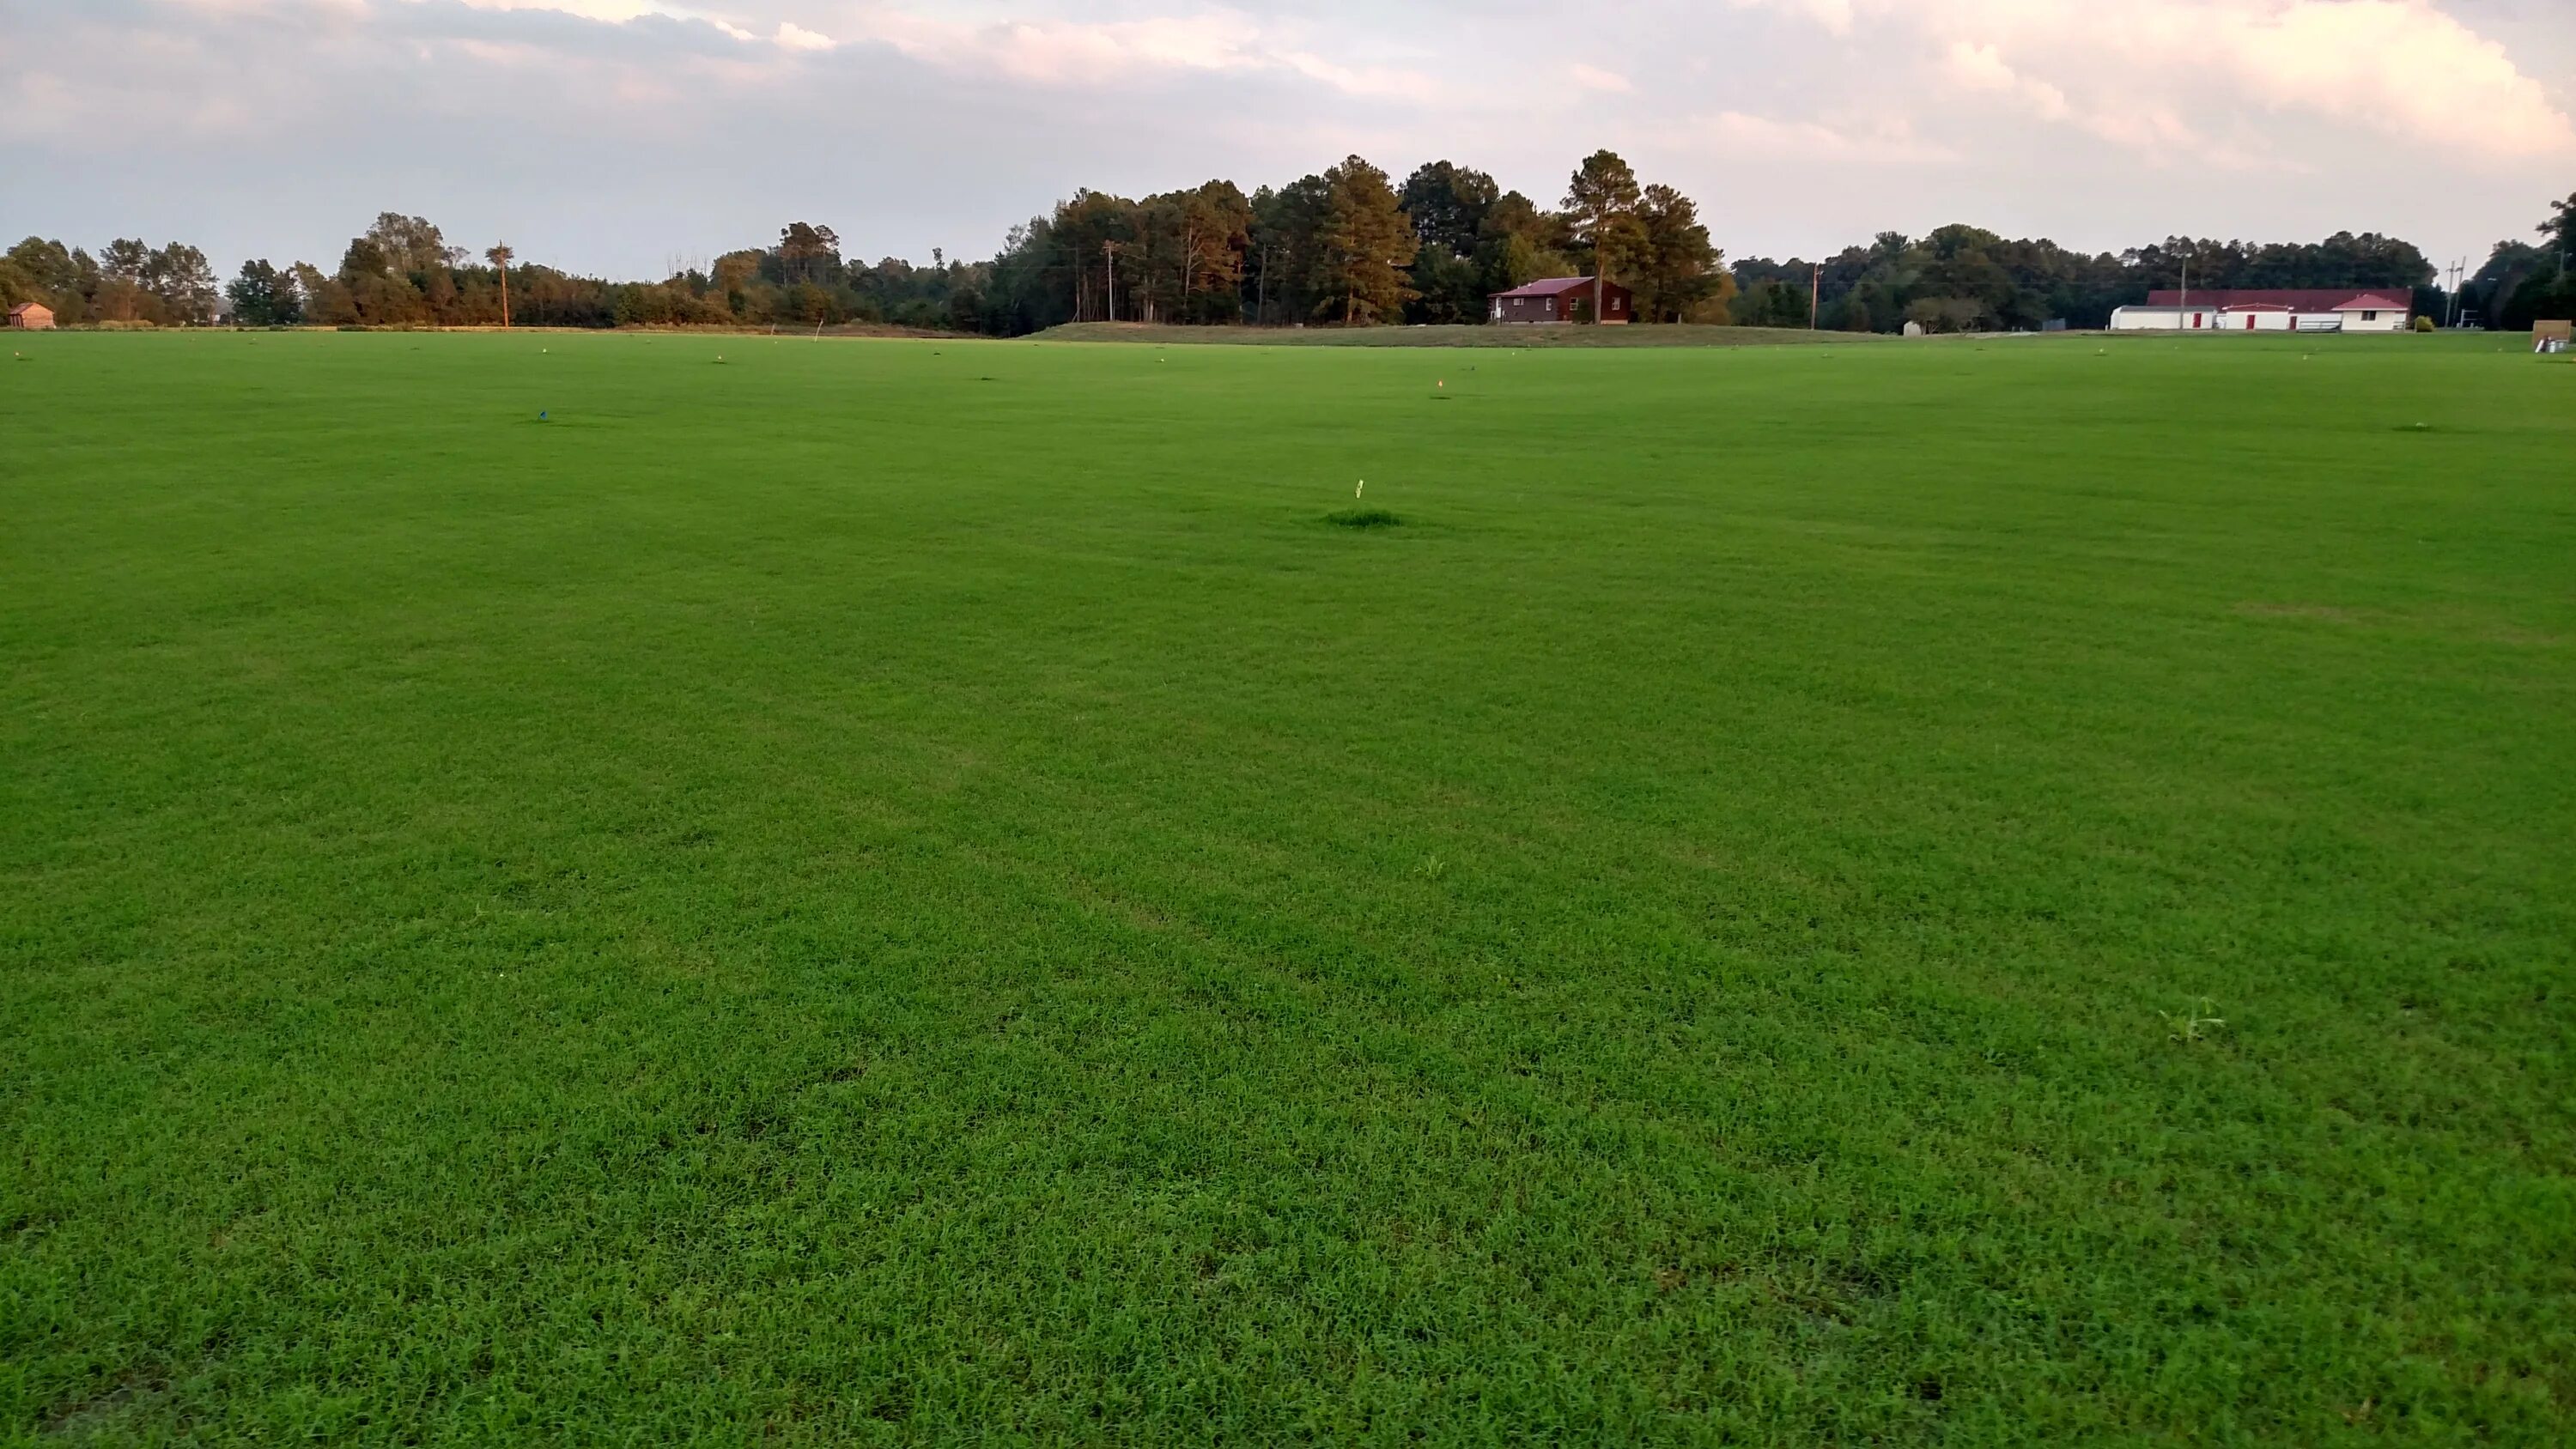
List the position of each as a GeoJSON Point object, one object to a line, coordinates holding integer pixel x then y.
{"type": "Point", "coordinates": [24, 307]}
{"type": "Point", "coordinates": [1552, 287]}
{"type": "Point", "coordinates": [2312, 299]}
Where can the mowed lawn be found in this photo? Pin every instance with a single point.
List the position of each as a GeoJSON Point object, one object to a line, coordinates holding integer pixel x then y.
{"type": "Point", "coordinates": [920, 892]}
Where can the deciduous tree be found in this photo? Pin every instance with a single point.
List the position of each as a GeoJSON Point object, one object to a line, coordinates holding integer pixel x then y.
{"type": "Point", "coordinates": [2521, 285]}
{"type": "Point", "coordinates": [809, 253]}
{"type": "Point", "coordinates": [53, 274]}
{"type": "Point", "coordinates": [1519, 244]}
{"type": "Point", "coordinates": [263, 296]}
{"type": "Point", "coordinates": [365, 257]}
{"type": "Point", "coordinates": [410, 244]}
{"type": "Point", "coordinates": [326, 298]}
{"type": "Point", "coordinates": [1448, 203]}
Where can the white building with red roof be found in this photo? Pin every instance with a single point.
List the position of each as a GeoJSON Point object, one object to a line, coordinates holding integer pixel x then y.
{"type": "Point", "coordinates": [2338, 309]}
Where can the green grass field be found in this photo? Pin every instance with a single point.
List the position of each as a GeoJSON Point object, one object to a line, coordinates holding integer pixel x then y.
{"type": "Point", "coordinates": [922, 892]}
{"type": "Point", "coordinates": [1519, 338]}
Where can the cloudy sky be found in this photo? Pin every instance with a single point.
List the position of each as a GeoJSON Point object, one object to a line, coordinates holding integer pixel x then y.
{"type": "Point", "coordinates": [617, 135]}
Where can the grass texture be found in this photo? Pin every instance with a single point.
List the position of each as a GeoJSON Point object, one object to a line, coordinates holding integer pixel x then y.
{"type": "Point", "coordinates": [901, 892]}
{"type": "Point", "coordinates": [1455, 336]}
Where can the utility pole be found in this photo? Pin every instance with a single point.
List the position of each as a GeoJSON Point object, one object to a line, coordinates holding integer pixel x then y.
{"type": "Point", "coordinates": [2185, 305]}
{"type": "Point", "coordinates": [1816, 299]}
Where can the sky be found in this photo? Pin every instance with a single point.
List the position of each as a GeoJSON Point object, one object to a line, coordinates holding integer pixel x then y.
{"type": "Point", "coordinates": [619, 137]}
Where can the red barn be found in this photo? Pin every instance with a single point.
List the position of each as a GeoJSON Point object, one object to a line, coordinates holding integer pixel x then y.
{"type": "Point", "coordinates": [1560, 300]}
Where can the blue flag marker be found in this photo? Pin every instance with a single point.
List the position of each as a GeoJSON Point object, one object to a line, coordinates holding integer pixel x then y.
{"type": "Point", "coordinates": [541, 417]}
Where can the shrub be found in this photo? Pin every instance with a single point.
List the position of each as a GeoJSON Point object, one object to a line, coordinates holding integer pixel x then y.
{"type": "Point", "coordinates": [2423, 324]}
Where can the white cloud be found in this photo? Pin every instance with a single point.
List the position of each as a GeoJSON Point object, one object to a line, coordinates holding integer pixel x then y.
{"type": "Point", "coordinates": [1030, 46]}
{"type": "Point", "coordinates": [613, 11]}
{"type": "Point", "coordinates": [2399, 65]}
{"type": "Point", "coordinates": [1394, 82]}
{"type": "Point", "coordinates": [1595, 78]}
{"type": "Point", "coordinates": [2157, 132]}
{"type": "Point", "coordinates": [1979, 68]}
{"type": "Point", "coordinates": [498, 53]}
{"type": "Point", "coordinates": [1067, 52]}
{"type": "Point", "coordinates": [2403, 68]}
{"type": "Point", "coordinates": [1833, 15]}
{"type": "Point", "coordinates": [1750, 138]}
{"type": "Point", "coordinates": [263, 7]}
{"type": "Point", "coordinates": [1058, 51]}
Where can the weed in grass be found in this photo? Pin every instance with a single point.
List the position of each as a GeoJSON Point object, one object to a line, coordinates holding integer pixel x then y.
{"type": "Point", "coordinates": [2195, 1024]}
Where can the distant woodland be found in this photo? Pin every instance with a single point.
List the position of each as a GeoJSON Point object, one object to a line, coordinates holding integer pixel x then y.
{"type": "Point", "coordinates": [1347, 247]}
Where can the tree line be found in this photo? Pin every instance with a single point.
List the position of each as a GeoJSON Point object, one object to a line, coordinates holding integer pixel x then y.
{"type": "Point", "coordinates": [1344, 247]}
{"type": "Point", "coordinates": [1962, 279]}
{"type": "Point", "coordinates": [2520, 283]}
{"type": "Point", "coordinates": [129, 282]}
{"type": "Point", "coordinates": [1351, 246]}
{"type": "Point", "coordinates": [1347, 246]}
{"type": "Point", "coordinates": [403, 272]}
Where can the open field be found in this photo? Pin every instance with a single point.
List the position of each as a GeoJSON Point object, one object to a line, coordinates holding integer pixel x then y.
{"type": "Point", "coordinates": [1518, 338]}
{"type": "Point", "coordinates": [920, 892]}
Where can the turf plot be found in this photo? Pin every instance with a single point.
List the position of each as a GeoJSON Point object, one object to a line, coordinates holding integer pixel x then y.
{"type": "Point", "coordinates": [926, 892]}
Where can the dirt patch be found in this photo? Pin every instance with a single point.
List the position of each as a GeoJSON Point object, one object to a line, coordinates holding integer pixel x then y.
{"type": "Point", "coordinates": [108, 1413]}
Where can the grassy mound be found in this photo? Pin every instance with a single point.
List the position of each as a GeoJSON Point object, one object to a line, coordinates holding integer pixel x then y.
{"type": "Point", "coordinates": [1363, 518]}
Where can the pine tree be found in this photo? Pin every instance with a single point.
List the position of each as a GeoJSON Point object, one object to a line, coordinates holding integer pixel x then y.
{"type": "Point", "coordinates": [1365, 244]}
{"type": "Point", "coordinates": [1602, 202]}
{"type": "Point", "coordinates": [1677, 265]}
{"type": "Point", "coordinates": [500, 257]}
